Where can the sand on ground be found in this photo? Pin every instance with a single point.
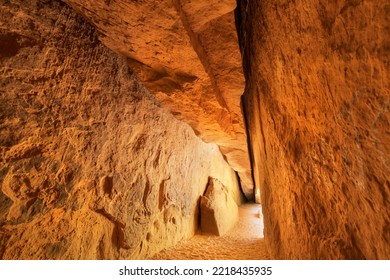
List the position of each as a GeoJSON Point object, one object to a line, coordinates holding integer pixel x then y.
{"type": "Point", "coordinates": [244, 242]}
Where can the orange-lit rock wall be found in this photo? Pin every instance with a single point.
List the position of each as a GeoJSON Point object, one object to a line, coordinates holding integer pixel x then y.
{"type": "Point", "coordinates": [187, 54]}
{"type": "Point", "coordinates": [91, 165]}
{"type": "Point", "coordinates": [317, 103]}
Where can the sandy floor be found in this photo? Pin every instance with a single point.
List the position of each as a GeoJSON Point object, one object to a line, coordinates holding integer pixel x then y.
{"type": "Point", "coordinates": [244, 242]}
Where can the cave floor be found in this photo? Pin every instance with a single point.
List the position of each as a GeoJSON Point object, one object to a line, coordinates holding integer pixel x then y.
{"type": "Point", "coordinates": [244, 242]}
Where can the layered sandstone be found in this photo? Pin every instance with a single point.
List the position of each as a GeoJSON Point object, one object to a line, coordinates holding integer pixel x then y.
{"type": "Point", "coordinates": [92, 167]}
{"type": "Point", "coordinates": [317, 103]}
{"type": "Point", "coordinates": [186, 53]}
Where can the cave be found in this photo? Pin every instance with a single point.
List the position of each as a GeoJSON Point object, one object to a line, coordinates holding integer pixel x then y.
{"type": "Point", "coordinates": [135, 129]}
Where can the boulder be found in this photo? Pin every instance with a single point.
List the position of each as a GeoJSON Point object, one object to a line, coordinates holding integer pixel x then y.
{"type": "Point", "coordinates": [218, 210]}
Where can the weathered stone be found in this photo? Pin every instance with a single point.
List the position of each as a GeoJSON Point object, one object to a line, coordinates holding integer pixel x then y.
{"type": "Point", "coordinates": [317, 103]}
{"type": "Point", "coordinates": [187, 54]}
{"type": "Point", "coordinates": [218, 210]}
{"type": "Point", "coordinates": [91, 165]}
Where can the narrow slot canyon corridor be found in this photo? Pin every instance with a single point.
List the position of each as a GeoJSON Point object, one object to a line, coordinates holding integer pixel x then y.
{"type": "Point", "coordinates": [122, 122]}
{"type": "Point", "coordinates": [244, 242]}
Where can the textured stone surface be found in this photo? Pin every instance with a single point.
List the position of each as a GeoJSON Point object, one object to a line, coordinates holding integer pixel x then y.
{"type": "Point", "coordinates": [317, 103]}
{"type": "Point", "coordinates": [186, 53]}
{"type": "Point", "coordinates": [91, 166]}
{"type": "Point", "coordinates": [218, 210]}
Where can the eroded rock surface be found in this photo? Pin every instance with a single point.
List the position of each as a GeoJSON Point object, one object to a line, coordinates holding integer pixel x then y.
{"type": "Point", "coordinates": [218, 209]}
{"type": "Point", "coordinates": [317, 103]}
{"type": "Point", "coordinates": [187, 54]}
{"type": "Point", "coordinates": [92, 167]}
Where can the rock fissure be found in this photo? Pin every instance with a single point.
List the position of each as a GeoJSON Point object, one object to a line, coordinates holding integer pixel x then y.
{"type": "Point", "coordinates": [200, 50]}
{"type": "Point", "coordinates": [128, 127]}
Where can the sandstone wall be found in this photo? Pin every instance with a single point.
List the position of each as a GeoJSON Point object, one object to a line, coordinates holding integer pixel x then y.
{"type": "Point", "coordinates": [317, 102]}
{"type": "Point", "coordinates": [91, 166]}
{"type": "Point", "coordinates": [187, 54]}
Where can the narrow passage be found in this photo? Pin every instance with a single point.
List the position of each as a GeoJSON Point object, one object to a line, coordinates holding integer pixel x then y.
{"type": "Point", "coordinates": [244, 242]}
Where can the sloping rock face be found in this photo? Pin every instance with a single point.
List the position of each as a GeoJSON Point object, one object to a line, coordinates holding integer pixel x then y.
{"type": "Point", "coordinates": [317, 103]}
{"type": "Point", "coordinates": [218, 209]}
{"type": "Point", "coordinates": [91, 166]}
{"type": "Point", "coordinates": [187, 54]}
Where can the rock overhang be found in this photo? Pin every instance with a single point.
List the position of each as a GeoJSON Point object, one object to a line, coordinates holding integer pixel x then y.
{"type": "Point", "coordinates": [187, 54]}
